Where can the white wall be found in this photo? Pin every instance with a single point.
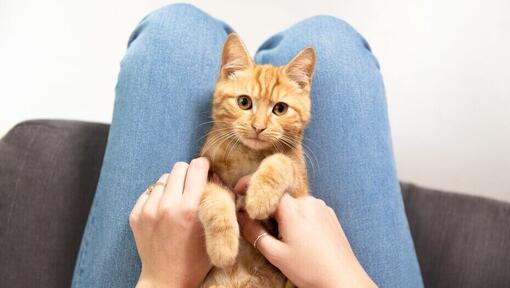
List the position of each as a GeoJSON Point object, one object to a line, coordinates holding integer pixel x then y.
{"type": "Point", "coordinates": [446, 65]}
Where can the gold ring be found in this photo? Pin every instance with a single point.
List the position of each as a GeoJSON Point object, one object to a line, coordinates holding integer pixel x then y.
{"type": "Point", "coordinates": [258, 238]}
{"type": "Point", "coordinates": [152, 186]}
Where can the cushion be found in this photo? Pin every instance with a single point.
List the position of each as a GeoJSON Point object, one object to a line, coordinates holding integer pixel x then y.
{"type": "Point", "coordinates": [48, 176]}
{"type": "Point", "coordinates": [460, 240]}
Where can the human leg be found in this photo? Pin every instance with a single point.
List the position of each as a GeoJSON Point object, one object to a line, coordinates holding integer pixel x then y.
{"type": "Point", "coordinates": [163, 94]}
{"type": "Point", "coordinates": [352, 166]}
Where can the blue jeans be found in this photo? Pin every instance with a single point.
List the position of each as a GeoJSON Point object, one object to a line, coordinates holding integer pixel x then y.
{"type": "Point", "coordinates": [164, 93]}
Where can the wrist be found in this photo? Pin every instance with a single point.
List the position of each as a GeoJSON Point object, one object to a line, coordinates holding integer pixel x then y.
{"type": "Point", "coordinates": [354, 279]}
{"type": "Point", "coordinates": [146, 281]}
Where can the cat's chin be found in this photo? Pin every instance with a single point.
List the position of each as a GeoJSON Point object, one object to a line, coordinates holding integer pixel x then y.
{"type": "Point", "coordinates": [256, 144]}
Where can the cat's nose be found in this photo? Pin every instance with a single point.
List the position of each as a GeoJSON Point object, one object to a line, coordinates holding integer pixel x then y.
{"type": "Point", "coordinates": [258, 128]}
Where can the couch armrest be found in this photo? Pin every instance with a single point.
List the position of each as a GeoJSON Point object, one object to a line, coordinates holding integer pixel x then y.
{"type": "Point", "coordinates": [460, 240]}
{"type": "Point", "coordinates": [48, 176]}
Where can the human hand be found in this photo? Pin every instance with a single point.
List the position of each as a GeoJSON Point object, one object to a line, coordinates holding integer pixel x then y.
{"type": "Point", "coordinates": [313, 250]}
{"type": "Point", "coordinates": [169, 238]}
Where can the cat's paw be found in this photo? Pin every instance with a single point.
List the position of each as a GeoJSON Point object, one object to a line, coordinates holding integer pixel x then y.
{"type": "Point", "coordinates": [217, 213]}
{"type": "Point", "coordinates": [223, 249]}
{"type": "Point", "coordinates": [262, 196]}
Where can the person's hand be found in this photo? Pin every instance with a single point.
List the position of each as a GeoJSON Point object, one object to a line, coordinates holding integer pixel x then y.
{"type": "Point", "coordinates": [313, 250]}
{"type": "Point", "coordinates": [168, 235]}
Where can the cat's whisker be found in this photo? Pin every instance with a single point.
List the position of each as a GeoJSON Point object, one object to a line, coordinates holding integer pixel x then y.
{"type": "Point", "coordinates": [213, 121]}
{"type": "Point", "coordinates": [212, 135]}
{"type": "Point", "coordinates": [280, 146]}
{"type": "Point", "coordinates": [311, 162]}
{"type": "Point", "coordinates": [307, 150]}
{"type": "Point", "coordinates": [311, 155]}
{"type": "Point", "coordinates": [312, 142]}
{"type": "Point", "coordinates": [274, 145]}
{"type": "Point", "coordinates": [206, 122]}
{"type": "Point", "coordinates": [227, 154]}
{"type": "Point", "coordinates": [215, 140]}
{"type": "Point", "coordinates": [206, 135]}
{"type": "Point", "coordinates": [227, 150]}
{"type": "Point", "coordinates": [227, 139]}
{"type": "Point", "coordinates": [289, 141]}
{"type": "Point", "coordinates": [211, 132]}
{"type": "Point", "coordinates": [318, 149]}
{"type": "Point", "coordinates": [308, 153]}
{"type": "Point", "coordinates": [292, 143]}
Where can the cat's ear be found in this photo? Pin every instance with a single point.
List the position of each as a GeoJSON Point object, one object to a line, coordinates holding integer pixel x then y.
{"type": "Point", "coordinates": [300, 69]}
{"type": "Point", "coordinates": [235, 57]}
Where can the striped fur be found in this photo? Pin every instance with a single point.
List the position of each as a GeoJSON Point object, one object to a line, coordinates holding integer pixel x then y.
{"type": "Point", "coordinates": [274, 158]}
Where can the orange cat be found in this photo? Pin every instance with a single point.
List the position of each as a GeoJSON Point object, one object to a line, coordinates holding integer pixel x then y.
{"type": "Point", "coordinates": [259, 113]}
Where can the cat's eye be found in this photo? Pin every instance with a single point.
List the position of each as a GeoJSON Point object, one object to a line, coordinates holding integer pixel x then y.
{"type": "Point", "coordinates": [280, 108]}
{"type": "Point", "coordinates": [244, 102]}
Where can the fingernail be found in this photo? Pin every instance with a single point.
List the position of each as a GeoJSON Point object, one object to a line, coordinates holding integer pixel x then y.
{"type": "Point", "coordinates": [240, 188]}
{"type": "Point", "coordinates": [200, 162]}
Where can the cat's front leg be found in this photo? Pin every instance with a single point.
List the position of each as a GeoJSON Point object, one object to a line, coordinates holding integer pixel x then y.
{"type": "Point", "coordinates": [275, 175]}
{"type": "Point", "coordinates": [217, 212]}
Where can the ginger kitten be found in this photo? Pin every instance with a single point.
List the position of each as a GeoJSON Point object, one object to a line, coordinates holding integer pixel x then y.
{"type": "Point", "coordinates": [259, 114]}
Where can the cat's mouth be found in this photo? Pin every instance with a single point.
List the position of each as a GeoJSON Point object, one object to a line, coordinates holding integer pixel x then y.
{"type": "Point", "coordinates": [257, 139]}
{"type": "Point", "coordinates": [255, 142]}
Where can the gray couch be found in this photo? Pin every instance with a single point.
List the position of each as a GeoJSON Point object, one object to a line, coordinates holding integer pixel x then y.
{"type": "Point", "coordinates": [48, 175]}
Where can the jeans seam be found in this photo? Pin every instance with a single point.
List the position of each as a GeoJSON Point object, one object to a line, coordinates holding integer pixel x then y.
{"type": "Point", "coordinates": [83, 250]}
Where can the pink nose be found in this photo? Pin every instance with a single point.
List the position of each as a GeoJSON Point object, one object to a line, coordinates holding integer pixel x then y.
{"type": "Point", "coordinates": [258, 128]}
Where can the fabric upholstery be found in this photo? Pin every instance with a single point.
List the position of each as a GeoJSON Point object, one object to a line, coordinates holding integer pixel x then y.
{"type": "Point", "coordinates": [460, 240]}
{"type": "Point", "coordinates": [48, 175]}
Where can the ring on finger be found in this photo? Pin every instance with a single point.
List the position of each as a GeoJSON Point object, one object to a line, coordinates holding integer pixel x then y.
{"type": "Point", "coordinates": [152, 186]}
{"type": "Point", "coordinates": [262, 235]}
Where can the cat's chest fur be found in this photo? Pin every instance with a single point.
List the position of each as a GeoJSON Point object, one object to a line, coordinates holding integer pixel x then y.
{"type": "Point", "coordinates": [232, 163]}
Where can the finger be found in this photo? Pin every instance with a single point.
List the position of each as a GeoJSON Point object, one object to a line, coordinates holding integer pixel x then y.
{"type": "Point", "coordinates": [287, 207]}
{"type": "Point", "coordinates": [216, 179]}
{"type": "Point", "coordinates": [332, 213]}
{"type": "Point", "coordinates": [137, 209]}
{"type": "Point", "coordinates": [175, 184]}
{"type": "Point", "coordinates": [196, 179]}
{"type": "Point", "coordinates": [333, 217]}
{"type": "Point", "coordinates": [151, 205]}
{"type": "Point", "coordinates": [270, 247]}
{"type": "Point", "coordinates": [242, 184]}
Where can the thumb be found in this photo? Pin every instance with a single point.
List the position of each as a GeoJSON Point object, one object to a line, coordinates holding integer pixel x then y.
{"type": "Point", "coordinates": [287, 208]}
{"type": "Point", "coordinates": [272, 248]}
{"type": "Point", "coordinates": [242, 184]}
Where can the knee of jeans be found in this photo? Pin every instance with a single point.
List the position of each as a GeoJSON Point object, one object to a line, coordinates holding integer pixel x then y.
{"type": "Point", "coordinates": [176, 11]}
{"type": "Point", "coordinates": [332, 37]}
{"type": "Point", "coordinates": [181, 20]}
{"type": "Point", "coordinates": [330, 27]}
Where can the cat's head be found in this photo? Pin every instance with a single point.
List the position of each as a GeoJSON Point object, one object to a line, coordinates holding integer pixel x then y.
{"type": "Point", "coordinates": [263, 106]}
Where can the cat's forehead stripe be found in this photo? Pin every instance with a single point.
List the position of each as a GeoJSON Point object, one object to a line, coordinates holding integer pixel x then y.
{"type": "Point", "coordinates": [267, 79]}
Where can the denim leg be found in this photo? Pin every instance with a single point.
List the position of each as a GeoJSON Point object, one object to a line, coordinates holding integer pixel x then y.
{"type": "Point", "coordinates": [351, 162]}
{"type": "Point", "coordinates": [163, 94]}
